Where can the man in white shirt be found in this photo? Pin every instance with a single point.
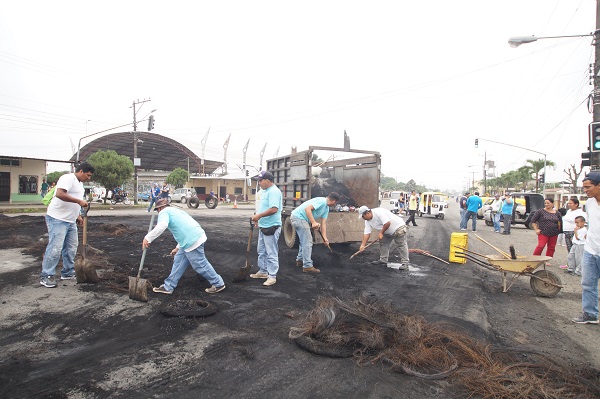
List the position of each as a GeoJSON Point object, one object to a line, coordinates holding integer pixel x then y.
{"type": "Point", "coordinates": [392, 229]}
{"type": "Point", "coordinates": [62, 217]}
{"type": "Point", "coordinates": [590, 270]}
{"type": "Point", "coordinates": [496, 212]}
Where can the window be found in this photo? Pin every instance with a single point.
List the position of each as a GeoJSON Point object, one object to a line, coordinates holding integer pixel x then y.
{"type": "Point", "coordinates": [10, 162]}
{"type": "Point", "coordinates": [237, 190]}
{"type": "Point", "coordinates": [28, 184]}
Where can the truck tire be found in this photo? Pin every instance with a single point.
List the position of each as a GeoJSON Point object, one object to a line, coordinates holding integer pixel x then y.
{"type": "Point", "coordinates": [211, 202]}
{"type": "Point", "coordinates": [193, 202]}
{"type": "Point", "coordinates": [289, 233]}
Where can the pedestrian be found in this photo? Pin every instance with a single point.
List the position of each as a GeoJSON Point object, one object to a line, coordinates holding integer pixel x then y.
{"type": "Point", "coordinates": [304, 219]}
{"type": "Point", "coordinates": [164, 191]}
{"type": "Point", "coordinates": [154, 196]}
{"type": "Point", "coordinates": [463, 211]}
{"type": "Point", "coordinates": [268, 219]}
{"type": "Point", "coordinates": [44, 188]}
{"type": "Point", "coordinates": [590, 269]}
{"type": "Point", "coordinates": [573, 210]}
{"type": "Point", "coordinates": [392, 230]}
{"type": "Point", "coordinates": [190, 237]}
{"type": "Point", "coordinates": [473, 204]}
{"type": "Point", "coordinates": [62, 217]}
{"type": "Point", "coordinates": [496, 212]}
{"type": "Point", "coordinates": [413, 204]}
{"type": "Point", "coordinates": [575, 258]}
{"type": "Point", "coordinates": [547, 223]}
{"type": "Point", "coordinates": [507, 211]}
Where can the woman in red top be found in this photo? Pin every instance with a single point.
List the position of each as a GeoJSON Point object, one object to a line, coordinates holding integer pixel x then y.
{"type": "Point", "coordinates": [547, 223]}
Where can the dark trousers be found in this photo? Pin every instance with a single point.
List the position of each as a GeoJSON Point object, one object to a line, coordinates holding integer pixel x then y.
{"type": "Point", "coordinates": [411, 218]}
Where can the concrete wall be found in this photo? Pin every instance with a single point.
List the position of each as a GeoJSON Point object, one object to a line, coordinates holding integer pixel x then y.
{"type": "Point", "coordinates": [27, 176]}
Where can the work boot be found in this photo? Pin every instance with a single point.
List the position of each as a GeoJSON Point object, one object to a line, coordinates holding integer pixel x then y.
{"type": "Point", "coordinates": [259, 275]}
{"type": "Point", "coordinates": [299, 263]}
{"type": "Point", "coordinates": [270, 281]}
{"type": "Point", "coordinates": [310, 270]}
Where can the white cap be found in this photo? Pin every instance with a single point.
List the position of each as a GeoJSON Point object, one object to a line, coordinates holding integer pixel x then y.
{"type": "Point", "coordinates": [362, 210]}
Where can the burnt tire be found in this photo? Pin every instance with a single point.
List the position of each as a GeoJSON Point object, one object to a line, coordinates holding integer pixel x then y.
{"type": "Point", "coordinates": [319, 348]}
{"type": "Point", "coordinates": [489, 223]}
{"type": "Point", "coordinates": [539, 283]}
{"type": "Point", "coordinates": [211, 202]}
{"type": "Point", "coordinates": [193, 202]}
{"type": "Point", "coordinates": [187, 308]}
{"type": "Point", "coordinates": [289, 234]}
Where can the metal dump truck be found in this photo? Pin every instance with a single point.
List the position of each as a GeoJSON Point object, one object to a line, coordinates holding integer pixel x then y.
{"type": "Point", "coordinates": [354, 174]}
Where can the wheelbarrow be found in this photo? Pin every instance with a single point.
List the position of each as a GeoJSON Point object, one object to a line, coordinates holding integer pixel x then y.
{"type": "Point", "coordinates": [544, 283]}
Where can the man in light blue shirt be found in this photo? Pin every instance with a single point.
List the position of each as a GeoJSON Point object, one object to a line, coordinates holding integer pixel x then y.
{"type": "Point", "coordinates": [190, 237]}
{"type": "Point", "coordinates": [268, 219]}
{"type": "Point", "coordinates": [304, 219]}
{"type": "Point", "coordinates": [473, 204]}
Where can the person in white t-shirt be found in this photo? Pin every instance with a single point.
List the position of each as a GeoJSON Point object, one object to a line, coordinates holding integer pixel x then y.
{"type": "Point", "coordinates": [392, 229]}
{"type": "Point", "coordinates": [62, 217]}
{"type": "Point", "coordinates": [575, 257]}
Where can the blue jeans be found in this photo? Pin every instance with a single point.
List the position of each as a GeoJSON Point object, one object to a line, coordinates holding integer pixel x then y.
{"type": "Point", "coordinates": [199, 263]}
{"type": "Point", "coordinates": [496, 220]}
{"type": "Point", "coordinates": [152, 201]}
{"type": "Point", "coordinates": [62, 239]}
{"type": "Point", "coordinates": [590, 273]}
{"type": "Point", "coordinates": [471, 215]}
{"type": "Point", "coordinates": [463, 218]}
{"type": "Point", "coordinates": [306, 241]}
{"type": "Point", "coordinates": [268, 253]}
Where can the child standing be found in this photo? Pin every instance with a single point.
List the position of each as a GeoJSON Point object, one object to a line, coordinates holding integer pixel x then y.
{"type": "Point", "coordinates": [575, 258]}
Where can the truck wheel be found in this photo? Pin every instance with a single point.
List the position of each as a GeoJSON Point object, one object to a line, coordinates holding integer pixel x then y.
{"type": "Point", "coordinates": [289, 234]}
{"type": "Point", "coordinates": [441, 216]}
{"type": "Point", "coordinates": [211, 202]}
{"type": "Point", "coordinates": [194, 202]}
{"type": "Point", "coordinates": [488, 223]}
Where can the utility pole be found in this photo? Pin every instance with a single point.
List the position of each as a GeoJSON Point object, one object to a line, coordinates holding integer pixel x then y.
{"type": "Point", "coordinates": [136, 161]}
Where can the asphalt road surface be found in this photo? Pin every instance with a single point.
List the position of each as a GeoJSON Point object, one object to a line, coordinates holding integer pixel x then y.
{"type": "Point", "coordinates": [92, 341]}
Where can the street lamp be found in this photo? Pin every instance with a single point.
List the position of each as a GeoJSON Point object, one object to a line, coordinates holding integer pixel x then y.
{"type": "Point", "coordinates": [516, 41]}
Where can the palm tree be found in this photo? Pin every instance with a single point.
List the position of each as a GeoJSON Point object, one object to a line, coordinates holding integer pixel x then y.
{"type": "Point", "coordinates": [536, 166]}
{"type": "Point", "coordinates": [524, 173]}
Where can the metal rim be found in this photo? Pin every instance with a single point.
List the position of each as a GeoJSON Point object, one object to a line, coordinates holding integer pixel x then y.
{"type": "Point", "coordinates": [541, 287]}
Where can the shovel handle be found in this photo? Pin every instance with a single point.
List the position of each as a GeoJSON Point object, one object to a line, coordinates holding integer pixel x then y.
{"type": "Point", "coordinates": [144, 251]}
{"type": "Point", "coordinates": [367, 246]}
{"type": "Point", "coordinates": [326, 243]}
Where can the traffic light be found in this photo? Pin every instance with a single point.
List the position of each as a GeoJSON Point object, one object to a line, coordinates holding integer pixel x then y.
{"type": "Point", "coordinates": [476, 143]}
{"type": "Point", "coordinates": [586, 159]}
{"type": "Point", "coordinates": [151, 122]}
{"type": "Point", "coordinates": [595, 137]}
{"type": "Point", "coordinates": [542, 178]}
{"type": "Point", "coordinates": [247, 172]}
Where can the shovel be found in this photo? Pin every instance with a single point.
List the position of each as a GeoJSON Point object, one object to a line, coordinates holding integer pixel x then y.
{"type": "Point", "coordinates": [367, 246]}
{"type": "Point", "coordinates": [138, 287]}
{"type": "Point", "coordinates": [245, 270]}
{"type": "Point", "coordinates": [85, 271]}
{"type": "Point", "coordinates": [328, 246]}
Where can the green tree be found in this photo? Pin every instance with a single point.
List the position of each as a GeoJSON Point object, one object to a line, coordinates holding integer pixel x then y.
{"type": "Point", "coordinates": [536, 166]}
{"type": "Point", "coordinates": [53, 177]}
{"type": "Point", "coordinates": [111, 169]}
{"type": "Point", "coordinates": [524, 175]}
{"type": "Point", "coordinates": [178, 177]}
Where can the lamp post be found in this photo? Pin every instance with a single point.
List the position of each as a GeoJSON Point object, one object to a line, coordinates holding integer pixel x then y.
{"type": "Point", "coordinates": [516, 41]}
{"type": "Point", "coordinates": [136, 161]}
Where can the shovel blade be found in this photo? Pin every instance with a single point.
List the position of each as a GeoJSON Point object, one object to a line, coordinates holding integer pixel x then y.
{"type": "Point", "coordinates": [138, 289]}
{"type": "Point", "coordinates": [85, 272]}
{"type": "Point", "coordinates": [242, 274]}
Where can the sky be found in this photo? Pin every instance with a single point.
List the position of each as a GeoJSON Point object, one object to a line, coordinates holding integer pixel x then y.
{"type": "Point", "coordinates": [416, 81]}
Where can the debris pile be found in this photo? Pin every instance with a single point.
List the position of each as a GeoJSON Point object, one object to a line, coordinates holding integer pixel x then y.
{"type": "Point", "coordinates": [373, 332]}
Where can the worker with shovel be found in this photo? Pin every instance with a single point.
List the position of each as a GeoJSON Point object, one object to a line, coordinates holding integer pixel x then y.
{"type": "Point", "coordinates": [392, 230]}
{"type": "Point", "coordinates": [62, 217]}
{"type": "Point", "coordinates": [304, 219]}
{"type": "Point", "coordinates": [190, 239]}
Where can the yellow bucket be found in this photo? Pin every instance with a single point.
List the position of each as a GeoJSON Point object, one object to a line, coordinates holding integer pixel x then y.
{"type": "Point", "coordinates": [462, 240]}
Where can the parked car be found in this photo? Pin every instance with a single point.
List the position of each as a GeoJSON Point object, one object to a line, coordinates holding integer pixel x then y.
{"type": "Point", "coordinates": [487, 204]}
{"type": "Point", "coordinates": [144, 197]}
{"type": "Point", "coordinates": [181, 195]}
{"type": "Point", "coordinates": [526, 205]}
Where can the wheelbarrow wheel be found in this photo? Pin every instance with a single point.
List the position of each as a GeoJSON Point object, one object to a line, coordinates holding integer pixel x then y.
{"type": "Point", "coordinates": [540, 283]}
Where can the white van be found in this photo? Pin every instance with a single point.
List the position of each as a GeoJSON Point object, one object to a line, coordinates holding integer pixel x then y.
{"type": "Point", "coordinates": [394, 201]}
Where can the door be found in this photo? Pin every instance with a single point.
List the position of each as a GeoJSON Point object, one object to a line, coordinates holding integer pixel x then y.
{"type": "Point", "coordinates": [4, 186]}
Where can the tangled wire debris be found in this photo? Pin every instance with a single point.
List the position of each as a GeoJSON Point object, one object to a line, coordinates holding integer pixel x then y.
{"type": "Point", "coordinates": [374, 332]}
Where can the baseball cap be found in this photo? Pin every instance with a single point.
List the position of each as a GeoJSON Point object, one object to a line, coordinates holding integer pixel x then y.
{"type": "Point", "coordinates": [595, 176]}
{"type": "Point", "coordinates": [362, 210]}
{"type": "Point", "coordinates": [264, 175]}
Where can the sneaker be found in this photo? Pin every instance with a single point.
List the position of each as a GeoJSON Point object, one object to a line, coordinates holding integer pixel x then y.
{"type": "Point", "coordinates": [563, 267]}
{"type": "Point", "coordinates": [378, 262]}
{"type": "Point", "coordinates": [214, 290]}
{"type": "Point", "coordinates": [162, 290]}
{"type": "Point", "coordinates": [48, 281]}
{"type": "Point", "coordinates": [474, 231]}
{"type": "Point", "coordinates": [270, 281]}
{"type": "Point", "coordinates": [259, 275]}
{"type": "Point", "coordinates": [310, 270]}
{"type": "Point", "coordinates": [403, 266]}
{"type": "Point", "coordinates": [463, 229]}
{"type": "Point", "coordinates": [299, 263]}
{"type": "Point", "coordinates": [71, 277]}
{"type": "Point", "coordinates": [569, 271]}
{"type": "Point", "coordinates": [585, 318]}
{"type": "Point", "coordinates": [577, 274]}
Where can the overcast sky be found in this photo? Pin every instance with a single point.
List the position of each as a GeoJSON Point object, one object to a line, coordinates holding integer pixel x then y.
{"type": "Point", "coordinates": [417, 81]}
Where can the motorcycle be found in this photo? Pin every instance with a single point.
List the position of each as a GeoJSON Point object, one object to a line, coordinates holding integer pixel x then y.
{"type": "Point", "coordinates": [120, 197]}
